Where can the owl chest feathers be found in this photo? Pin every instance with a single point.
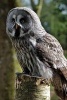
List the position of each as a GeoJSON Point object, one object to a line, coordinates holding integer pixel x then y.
{"type": "Point", "coordinates": [25, 53]}
{"type": "Point", "coordinates": [28, 59]}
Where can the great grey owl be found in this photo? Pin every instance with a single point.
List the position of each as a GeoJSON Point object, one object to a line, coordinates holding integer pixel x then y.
{"type": "Point", "coordinates": [39, 53]}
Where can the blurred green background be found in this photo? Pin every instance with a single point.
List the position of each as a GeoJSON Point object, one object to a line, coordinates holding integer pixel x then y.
{"type": "Point", "coordinates": [53, 16]}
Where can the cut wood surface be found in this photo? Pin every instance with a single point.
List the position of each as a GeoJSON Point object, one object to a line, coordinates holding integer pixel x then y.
{"type": "Point", "coordinates": [31, 88]}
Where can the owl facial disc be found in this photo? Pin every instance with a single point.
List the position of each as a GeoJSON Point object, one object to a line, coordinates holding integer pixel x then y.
{"type": "Point", "coordinates": [19, 22]}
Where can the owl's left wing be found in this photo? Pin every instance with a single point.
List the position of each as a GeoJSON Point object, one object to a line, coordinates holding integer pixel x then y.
{"type": "Point", "coordinates": [49, 50]}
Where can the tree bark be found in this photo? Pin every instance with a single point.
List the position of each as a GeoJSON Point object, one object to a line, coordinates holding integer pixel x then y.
{"type": "Point", "coordinates": [31, 88]}
{"type": "Point", "coordinates": [7, 76]}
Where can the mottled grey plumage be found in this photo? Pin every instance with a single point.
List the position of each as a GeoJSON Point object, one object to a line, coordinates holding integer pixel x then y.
{"type": "Point", "coordinates": [39, 53]}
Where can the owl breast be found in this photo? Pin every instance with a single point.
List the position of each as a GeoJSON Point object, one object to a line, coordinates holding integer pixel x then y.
{"type": "Point", "coordinates": [29, 61]}
{"type": "Point", "coordinates": [26, 56]}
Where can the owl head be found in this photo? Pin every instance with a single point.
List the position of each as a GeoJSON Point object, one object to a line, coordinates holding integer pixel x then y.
{"type": "Point", "coordinates": [21, 21]}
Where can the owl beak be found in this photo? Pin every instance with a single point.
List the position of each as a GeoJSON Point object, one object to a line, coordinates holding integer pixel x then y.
{"type": "Point", "coordinates": [17, 32]}
{"type": "Point", "coordinates": [17, 25]}
{"type": "Point", "coordinates": [18, 28]}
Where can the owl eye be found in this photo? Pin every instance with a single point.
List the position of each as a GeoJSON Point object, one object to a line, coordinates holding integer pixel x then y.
{"type": "Point", "coordinates": [22, 20]}
{"type": "Point", "coordinates": [13, 20]}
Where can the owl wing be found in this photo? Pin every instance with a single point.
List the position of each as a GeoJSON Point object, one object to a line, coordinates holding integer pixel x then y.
{"type": "Point", "coordinates": [49, 50]}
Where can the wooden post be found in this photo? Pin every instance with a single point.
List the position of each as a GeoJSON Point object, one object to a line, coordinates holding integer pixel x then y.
{"type": "Point", "coordinates": [31, 88]}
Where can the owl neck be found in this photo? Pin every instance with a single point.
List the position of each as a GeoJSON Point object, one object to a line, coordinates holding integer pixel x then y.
{"type": "Point", "coordinates": [20, 42]}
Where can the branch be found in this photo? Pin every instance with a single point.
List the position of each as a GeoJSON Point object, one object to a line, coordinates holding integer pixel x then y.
{"type": "Point", "coordinates": [33, 5]}
{"type": "Point", "coordinates": [40, 7]}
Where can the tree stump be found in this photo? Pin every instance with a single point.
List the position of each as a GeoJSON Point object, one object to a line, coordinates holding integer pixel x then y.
{"type": "Point", "coordinates": [31, 88]}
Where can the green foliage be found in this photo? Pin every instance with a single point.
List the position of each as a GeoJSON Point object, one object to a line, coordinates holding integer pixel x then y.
{"type": "Point", "coordinates": [65, 52]}
{"type": "Point", "coordinates": [54, 97]}
{"type": "Point", "coordinates": [53, 94]}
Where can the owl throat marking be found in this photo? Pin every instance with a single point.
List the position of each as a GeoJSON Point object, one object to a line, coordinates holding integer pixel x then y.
{"type": "Point", "coordinates": [17, 32]}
